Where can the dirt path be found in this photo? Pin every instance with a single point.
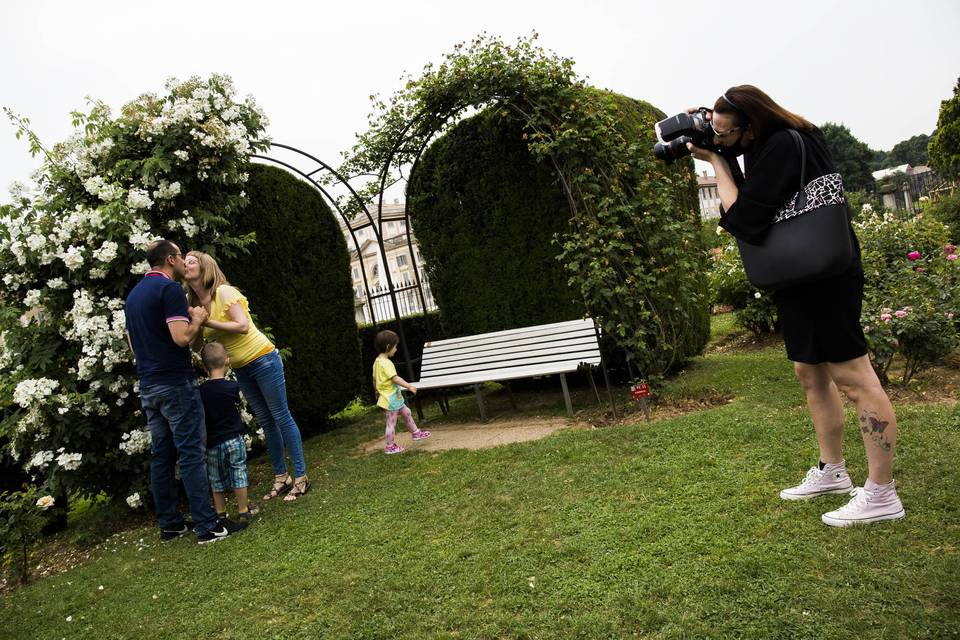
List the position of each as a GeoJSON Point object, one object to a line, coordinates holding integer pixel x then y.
{"type": "Point", "coordinates": [479, 435]}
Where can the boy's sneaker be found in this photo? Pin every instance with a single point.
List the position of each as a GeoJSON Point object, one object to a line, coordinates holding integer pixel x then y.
{"type": "Point", "coordinates": [246, 517]}
{"type": "Point", "coordinates": [833, 478]}
{"type": "Point", "coordinates": [421, 435]}
{"type": "Point", "coordinates": [393, 448]}
{"type": "Point", "coordinates": [166, 535]}
{"type": "Point", "coordinates": [870, 503]}
{"type": "Point", "coordinates": [221, 530]}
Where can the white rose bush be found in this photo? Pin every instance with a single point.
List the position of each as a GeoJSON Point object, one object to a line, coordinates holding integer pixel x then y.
{"type": "Point", "coordinates": [171, 165]}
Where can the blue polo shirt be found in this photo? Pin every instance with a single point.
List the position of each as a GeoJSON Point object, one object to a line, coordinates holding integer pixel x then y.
{"type": "Point", "coordinates": [154, 302]}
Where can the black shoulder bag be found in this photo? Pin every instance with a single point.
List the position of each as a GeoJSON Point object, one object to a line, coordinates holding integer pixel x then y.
{"type": "Point", "coordinates": [810, 237]}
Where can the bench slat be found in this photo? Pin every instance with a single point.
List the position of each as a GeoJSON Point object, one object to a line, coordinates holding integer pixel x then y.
{"type": "Point", "coordinates": [501, 374]}
{"type": "Point", "coordinates": [431, 360]}
{"type": "Point", "coordinates": [511, 334]}
{"type": "Point", "coordinates": [516, 360]}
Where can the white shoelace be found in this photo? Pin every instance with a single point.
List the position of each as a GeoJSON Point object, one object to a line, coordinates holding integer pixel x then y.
{"type": "Point", "coordinates": [813, 475]}
{"type": "Point", "coordinates": [860, 499]}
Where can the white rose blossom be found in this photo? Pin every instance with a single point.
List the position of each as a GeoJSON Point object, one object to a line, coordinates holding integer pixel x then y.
{"type": "Point", "coordinates": [134, 502]}
{"type": "Point", "coordinates": [69, 461]}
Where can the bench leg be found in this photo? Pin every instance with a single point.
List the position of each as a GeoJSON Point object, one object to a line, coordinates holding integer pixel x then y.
{"type": "Point", "coordinates": [483, 410]}
{"type": "Point", "coordinates": [566, 394]}
{"type": "Point", "coordinates": [593, 385]}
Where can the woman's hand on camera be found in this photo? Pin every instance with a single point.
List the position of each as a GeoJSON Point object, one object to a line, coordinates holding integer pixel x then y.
{"type": "Point", "coordinates": [703, 154]}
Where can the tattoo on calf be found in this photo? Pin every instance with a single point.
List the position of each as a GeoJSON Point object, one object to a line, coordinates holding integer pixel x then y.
{"type": "Point", "coordinates": [876, 429]}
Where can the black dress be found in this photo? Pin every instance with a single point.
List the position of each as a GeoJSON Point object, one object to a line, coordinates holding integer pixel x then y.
{"type": "Point", "coordinates": [820, 320]}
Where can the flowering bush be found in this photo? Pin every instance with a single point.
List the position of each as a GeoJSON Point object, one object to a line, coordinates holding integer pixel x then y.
{"type": "Point", "coordinates": [168, 166]}
{"type": "Point", "coordinates": [754, 310]}
{"type": "Point", "coordinates": [912, 291]}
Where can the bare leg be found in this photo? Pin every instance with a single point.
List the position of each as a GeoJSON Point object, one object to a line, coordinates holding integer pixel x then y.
{"type": "Point", "coordinates": [219, 502]}
{"type": "Point", "coordinates": [878, 423]}
{"type": "Point", "coordinates": [826, 409]}
{"type": "Point", "coordinates": [241, 494]}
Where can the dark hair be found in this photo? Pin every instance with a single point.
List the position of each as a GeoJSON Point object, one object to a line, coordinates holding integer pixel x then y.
{"type": "Point", "coordinates": [159, 251]}
{"type": "Point", "coordinates": [214, 356]}
{"type": "Point", "coordinates": [747, 104]}
{"type": "Point", "coordinates": [385, 340]}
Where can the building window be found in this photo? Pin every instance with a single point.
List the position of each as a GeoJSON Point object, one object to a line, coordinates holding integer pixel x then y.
{"type": "Point", "coordinates": [401, 260]}
{"type": "Point", "coordinates": [356, 273]}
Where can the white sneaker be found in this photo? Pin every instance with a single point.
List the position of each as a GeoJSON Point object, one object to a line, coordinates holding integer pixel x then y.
{"type": "Point", "coordinates": [833, 478]}
{"type": "Point", "coordinates": [870, 503]}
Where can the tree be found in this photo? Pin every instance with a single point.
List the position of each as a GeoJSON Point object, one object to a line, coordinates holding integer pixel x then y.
{"type": "Point", "coordinates": [853, 157]}
{"type": "Point", "coordinates": [912, 151]}
{"type": "Point", "coordinates": [945, 144]}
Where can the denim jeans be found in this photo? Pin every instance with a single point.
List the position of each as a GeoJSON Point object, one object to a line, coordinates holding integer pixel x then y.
{"type": "Point", "coordinates": [265, 388]}
{"type": "Point", "coordinates": [175, 419]}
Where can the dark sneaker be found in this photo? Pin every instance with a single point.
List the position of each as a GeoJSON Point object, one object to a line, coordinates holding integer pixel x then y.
{"type": "Point", "coordinates": [166, 535]}
{"type": "Point", "coordinates": [222, 529]}
{"type": "Point", "coordinates": [246, 517]}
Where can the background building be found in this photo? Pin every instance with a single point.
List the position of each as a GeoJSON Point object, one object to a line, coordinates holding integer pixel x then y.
{"type": "Point", "coordinates": [401, 258]}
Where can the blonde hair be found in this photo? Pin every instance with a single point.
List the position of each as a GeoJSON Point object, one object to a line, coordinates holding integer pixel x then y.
{"type": "Point", "coordinates": [211, 277]}
{"type": "Point", "coordinates": [214, 356]}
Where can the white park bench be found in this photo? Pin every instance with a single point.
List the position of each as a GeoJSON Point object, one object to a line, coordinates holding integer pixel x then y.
{"type": "Point", "coordinates": [529, 352]}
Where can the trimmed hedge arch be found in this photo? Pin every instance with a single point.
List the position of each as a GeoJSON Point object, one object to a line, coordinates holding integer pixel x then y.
{"type": "Point", "coordinates": [297, 277]}
{"type": "Point", "coordinates": [633, 253]}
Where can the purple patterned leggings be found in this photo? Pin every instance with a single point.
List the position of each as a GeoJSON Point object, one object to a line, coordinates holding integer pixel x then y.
{"type": "Point", "coordinates": [392, 422]}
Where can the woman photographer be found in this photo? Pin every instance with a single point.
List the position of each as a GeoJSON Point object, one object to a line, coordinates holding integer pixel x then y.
{"type": "Point", "coordinates": [821, 319]}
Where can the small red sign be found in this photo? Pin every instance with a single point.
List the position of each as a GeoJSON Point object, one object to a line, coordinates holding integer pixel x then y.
{"type": "Point", "coordinates": [640, 390]}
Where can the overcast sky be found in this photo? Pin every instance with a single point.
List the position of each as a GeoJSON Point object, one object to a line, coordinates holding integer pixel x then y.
{"type": "Point", "coordinates": [879, 67]}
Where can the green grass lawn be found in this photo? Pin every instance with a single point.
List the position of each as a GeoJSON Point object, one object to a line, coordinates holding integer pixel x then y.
{"type": "Point", "coordinates": [664, 529]}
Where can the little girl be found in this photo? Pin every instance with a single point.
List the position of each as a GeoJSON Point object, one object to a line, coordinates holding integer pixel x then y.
{"type": "Point", "coordinates": [388, 383]}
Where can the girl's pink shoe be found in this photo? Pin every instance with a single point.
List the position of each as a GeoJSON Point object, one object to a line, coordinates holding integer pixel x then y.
{"type": "Point", "coordinates": [392, 448]}
{"type": "Point", "coordinates": [421, 435]}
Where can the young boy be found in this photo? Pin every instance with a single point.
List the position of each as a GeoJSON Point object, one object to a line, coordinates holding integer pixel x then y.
{"type": "Point", "coordinates": [226, 450]}
{"type": "Point", "coordinates": [388, 383]}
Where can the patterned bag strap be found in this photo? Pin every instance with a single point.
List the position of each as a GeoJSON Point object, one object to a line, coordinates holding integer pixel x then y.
{"type": "Point", "coordinates": [801, 200]}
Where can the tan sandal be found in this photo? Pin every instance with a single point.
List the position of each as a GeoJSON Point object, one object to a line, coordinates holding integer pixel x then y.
{"type": "Point", "coordinates": [281, 485]}
{"type": "Point", "coordinates": [300, 487]}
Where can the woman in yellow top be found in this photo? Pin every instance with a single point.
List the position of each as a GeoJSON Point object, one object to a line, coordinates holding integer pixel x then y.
{"type": "Point", "coordinates": [258, 367]}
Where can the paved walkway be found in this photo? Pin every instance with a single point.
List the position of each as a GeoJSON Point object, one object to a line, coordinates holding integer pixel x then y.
{"type": "Point", "coordinates": [477, 435]}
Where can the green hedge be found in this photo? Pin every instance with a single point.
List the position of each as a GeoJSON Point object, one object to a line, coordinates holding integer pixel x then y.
{"type": "Point", "coordinates": [486, 215]}
{"type": "Point", "coordinates": [297, 278]}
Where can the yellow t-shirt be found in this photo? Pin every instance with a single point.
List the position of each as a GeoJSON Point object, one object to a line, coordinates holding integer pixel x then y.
{"type": "Point", "coordinates": [391, 397]}
{"type": "Point", "coordinates": [242, 348]}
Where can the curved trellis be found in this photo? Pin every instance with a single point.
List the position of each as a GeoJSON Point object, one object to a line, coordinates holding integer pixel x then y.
{"type": "Point", "coordinates": [320, 175]}
{"type": "Point", "coordinates": [574, 127]}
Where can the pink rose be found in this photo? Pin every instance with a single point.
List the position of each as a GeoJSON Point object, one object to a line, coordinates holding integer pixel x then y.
{"type": "Point", "coordinates": [900, 313]}
{"type": "Point", "coordinates": [952, 257]}
{"type": "Point", "coordinates": [913, 255]}
{"type": "Point", "coordinates": [886, 317]}
{"type": "Point", "coordinates": [948, 249]}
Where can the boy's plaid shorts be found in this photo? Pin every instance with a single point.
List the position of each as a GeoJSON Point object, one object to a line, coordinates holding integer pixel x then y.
{"type": "Point", "coordinates": [227, 465]}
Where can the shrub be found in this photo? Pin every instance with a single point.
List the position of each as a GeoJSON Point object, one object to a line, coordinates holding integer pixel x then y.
{"type": "Point", "coordinates": [489, 219]}
{"type": "Point", "coordinates": [632, 253]}
{"type": "Point", "coordinates": [754, 310]}
{"type": "Point", "coordinates": [912, 291]}
{"type": "Point", "coordinates": [946, 209]}
{"type": "Point", "coordinates": [21, 521]}
{"type": "Point", "coordinates": [297, 278]}
{"type": "Point", "coordinates": [171, 165]}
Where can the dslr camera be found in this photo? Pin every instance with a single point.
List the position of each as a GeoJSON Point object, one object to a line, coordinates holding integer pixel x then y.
{"type": "Point", "coordinates": [674, 133]}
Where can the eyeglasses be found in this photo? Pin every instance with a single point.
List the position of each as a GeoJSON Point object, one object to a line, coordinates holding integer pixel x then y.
{"type": "Point", "coordinates": [191, 260]}
{"type": "Point", "coordinates": [724, 134]}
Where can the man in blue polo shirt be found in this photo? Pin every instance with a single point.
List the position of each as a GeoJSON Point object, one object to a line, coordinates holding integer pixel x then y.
{"type": "Point", "coordinates": [160, 328]}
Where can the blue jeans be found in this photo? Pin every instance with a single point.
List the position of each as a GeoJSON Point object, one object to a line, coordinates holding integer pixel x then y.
{"type": "Point", "coordinates": [175, 419]}
{"type": "Point", "coordinates": [265, 389]}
